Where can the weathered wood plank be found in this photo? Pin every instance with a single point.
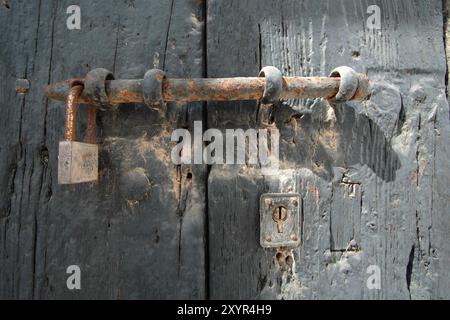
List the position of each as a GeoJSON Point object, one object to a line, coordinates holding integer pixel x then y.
{"type": "Point", "coordinates": [139, 231]}
{"type": "Point", "coordinates": [391, 147]}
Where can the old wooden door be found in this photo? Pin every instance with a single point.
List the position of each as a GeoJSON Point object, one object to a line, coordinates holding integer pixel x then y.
{"type": "Point", "coordinates": [373, 177]}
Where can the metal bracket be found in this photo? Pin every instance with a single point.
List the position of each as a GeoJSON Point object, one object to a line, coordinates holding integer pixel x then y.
{"type": "Point", "coordinates": [280, 220]}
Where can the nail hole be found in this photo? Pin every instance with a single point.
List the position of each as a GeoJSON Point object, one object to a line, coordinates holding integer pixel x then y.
{"type": "Point", "coordinates": [355, 54]}
{"type": "Point", "coordinates": [189, 175]}
{"type": "Point", "coordinates": [44, 155]}
{"type": "Point", "coordinates": [280, 258]}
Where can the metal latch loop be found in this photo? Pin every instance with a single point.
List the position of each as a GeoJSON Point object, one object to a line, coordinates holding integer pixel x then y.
{"type": "Point", "coordinates": [152, 87]}
{"type": "Point", "coordinates": [95, 87]}
{"type": "Point", "coordinates": [273, 86]}
{"type": "Point", "coordinates": [269, 87]}
{"type": "Point", "coordinates": [349, 83]}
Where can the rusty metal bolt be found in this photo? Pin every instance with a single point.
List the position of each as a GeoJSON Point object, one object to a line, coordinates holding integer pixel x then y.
{"type": "Point", "coordinates": [71, 111]}
{"type": "Point", "coordinates": [101, 88]}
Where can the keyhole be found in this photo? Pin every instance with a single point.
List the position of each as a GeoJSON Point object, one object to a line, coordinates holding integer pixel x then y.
{"type": "Point", "coordinates": [279, 215]}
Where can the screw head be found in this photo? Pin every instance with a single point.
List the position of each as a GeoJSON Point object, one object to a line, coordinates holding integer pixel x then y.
{"type": "Point", "coordinates": [22, 86]}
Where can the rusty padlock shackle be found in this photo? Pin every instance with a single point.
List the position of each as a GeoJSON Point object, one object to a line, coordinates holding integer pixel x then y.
{"type": "Point", "coordinates": [71, 113]}
{"type": "Point", "coordinates": [101, 90]}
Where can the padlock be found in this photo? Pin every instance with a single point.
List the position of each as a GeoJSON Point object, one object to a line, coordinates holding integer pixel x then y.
{"type": "Point", "coordinates": [77, 161]}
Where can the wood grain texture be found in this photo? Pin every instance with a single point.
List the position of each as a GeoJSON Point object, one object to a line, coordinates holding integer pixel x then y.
{"type": "Point", "coordinates": [374, 177]}
{"type": "Point", "coordinates": [139, 231]}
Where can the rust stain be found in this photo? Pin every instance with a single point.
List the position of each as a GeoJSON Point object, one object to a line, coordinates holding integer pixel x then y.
{"type": "Point", "coordinates": [157, 146]}
{"type": "Point", "coordinates": [71, 112]}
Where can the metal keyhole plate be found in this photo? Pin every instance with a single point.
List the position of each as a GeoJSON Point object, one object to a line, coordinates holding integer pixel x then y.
{"type": "Point", "coordinates": [280, 220]}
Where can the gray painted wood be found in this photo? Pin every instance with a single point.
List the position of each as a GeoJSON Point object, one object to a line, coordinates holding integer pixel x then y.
{"type": "Point", "coordinates": [373, 176]}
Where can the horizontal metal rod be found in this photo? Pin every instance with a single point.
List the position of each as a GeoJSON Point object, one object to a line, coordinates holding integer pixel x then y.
{"type": "Point", "coordinates": [71, 111]}
{"type": "Point", "coordinates": [207, 89]}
